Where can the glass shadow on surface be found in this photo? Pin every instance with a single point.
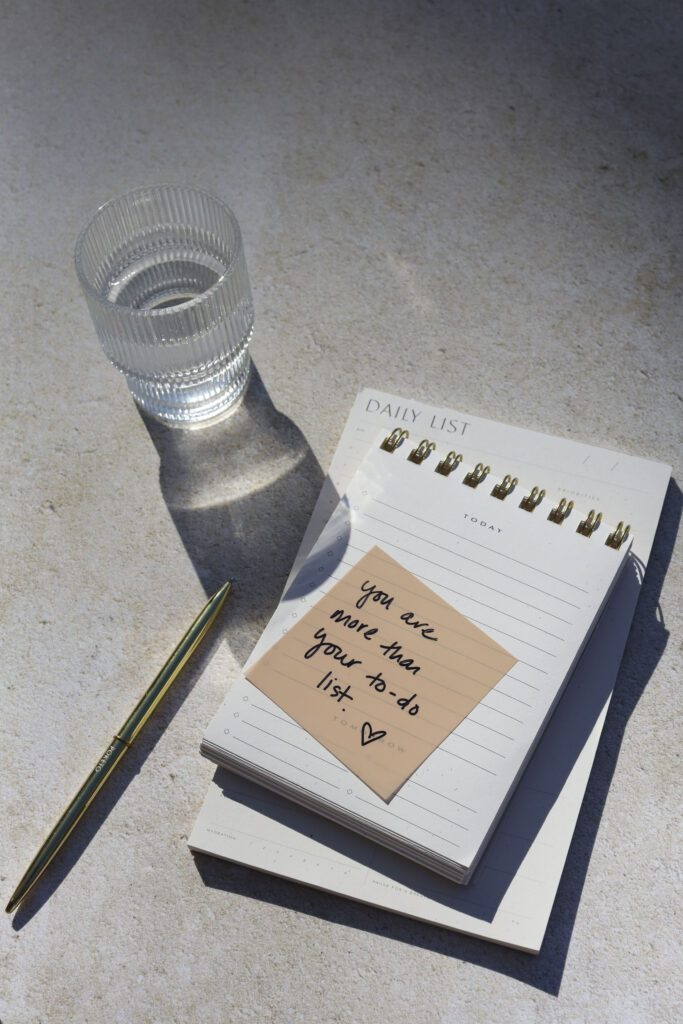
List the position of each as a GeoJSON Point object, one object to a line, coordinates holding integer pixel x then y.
{"type": "Point", "coordinates": [240, 493]}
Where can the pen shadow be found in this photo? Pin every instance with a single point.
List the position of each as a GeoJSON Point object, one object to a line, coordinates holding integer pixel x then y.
{"type": "Point", "coordinates": [552, 762]}
{"type": "Point", "coordinates": [118, 782]}
{"type": "Point", "coordinates": [240, 494]}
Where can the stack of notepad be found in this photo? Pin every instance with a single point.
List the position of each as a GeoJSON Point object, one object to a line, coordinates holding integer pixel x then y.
{"type": "Point", "coordinates": [529, 586]}
{"type": "Point", "coordinates": [525, 581]}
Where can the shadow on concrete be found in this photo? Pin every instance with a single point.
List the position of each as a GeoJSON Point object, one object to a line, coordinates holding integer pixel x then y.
{"type": "Point", "coordinates": [118, 783]}
{"type": "Point", "coordinates": [240, 494]}
{"type": "Point", "coordinates": [647, 641]}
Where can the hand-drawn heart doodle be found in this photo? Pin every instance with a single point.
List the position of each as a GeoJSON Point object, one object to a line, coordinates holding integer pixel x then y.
{"type": "Point", "coordinates": [368, 736]}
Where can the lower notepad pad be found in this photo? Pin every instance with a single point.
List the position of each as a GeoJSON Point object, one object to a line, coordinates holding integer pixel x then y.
{"type": "Point", "coordinates": [380, 670]}
{"type": "Point", "coordinates": [510, 898]}
{"type": "Point", "coordinates": [534, 586]}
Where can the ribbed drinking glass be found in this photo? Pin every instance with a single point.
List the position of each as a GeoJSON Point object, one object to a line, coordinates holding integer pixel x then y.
{"type": "Point", "coordinates": [164, 275]}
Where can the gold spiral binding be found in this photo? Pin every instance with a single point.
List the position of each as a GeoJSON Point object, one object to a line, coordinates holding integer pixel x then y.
{"type": "Point", "coordinates": [419, 454]}
{"type": "Point", "coordinates": [502, 489]}
{"type": "Point", "coordinates": [617, 538]}
{"type": "Point", "coordinates": [395, 438]}
{"type": "Point", "coordinates": [447, 465]}
{"type": "Point", "coordinates": [561, 511]}
{"type": "Point", "coordinates": [476, 475]}
{"type": "Point", "coordinates": [590, 524]}
{"type": "Point", "coordinates": [533, 499]}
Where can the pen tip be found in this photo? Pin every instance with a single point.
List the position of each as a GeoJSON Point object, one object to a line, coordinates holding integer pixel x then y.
{"type": "Point", "coordinates": [223, 592]}
{"type": "Point", "coordinates": [11, 906]}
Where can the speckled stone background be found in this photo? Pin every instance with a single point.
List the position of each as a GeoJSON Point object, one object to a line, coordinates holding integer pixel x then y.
{"type": "Point", "coordinates": [479, 204]}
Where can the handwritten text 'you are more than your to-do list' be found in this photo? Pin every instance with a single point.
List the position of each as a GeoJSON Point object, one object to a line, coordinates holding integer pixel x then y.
{"type": "Point", "coordinates": [380, 670]}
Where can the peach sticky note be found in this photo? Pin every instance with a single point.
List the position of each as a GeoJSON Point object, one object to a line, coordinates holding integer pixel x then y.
{"type": "Point", "coordinates": [380, 670]}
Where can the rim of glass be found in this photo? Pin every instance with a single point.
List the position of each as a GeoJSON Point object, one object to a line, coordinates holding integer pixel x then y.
{"type": "Point", "coordinates": [92, 292]}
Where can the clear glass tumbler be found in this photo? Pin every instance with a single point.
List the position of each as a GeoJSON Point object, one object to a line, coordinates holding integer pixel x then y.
{"type": "Point", "coordinates": [163, 272]}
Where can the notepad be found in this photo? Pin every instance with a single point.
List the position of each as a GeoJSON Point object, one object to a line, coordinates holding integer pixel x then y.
{"type": "Point", "coordinates": [529, 571]}
{"type": "Point", "coordinates": [511, 896]}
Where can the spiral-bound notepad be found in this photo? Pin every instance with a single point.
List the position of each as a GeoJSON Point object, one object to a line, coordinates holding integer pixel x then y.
{"type": "Point", "coordinates": [528, 572]}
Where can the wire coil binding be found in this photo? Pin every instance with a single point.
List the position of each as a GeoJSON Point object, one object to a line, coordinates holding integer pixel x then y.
{"type": "Point", "coordinates": [395, 438]}
{"type": "Point", "coordinates": [588, 525]}
{"type": "Point", "coordinates": [617, 538]}
{"type": "Point", "coordinates": [450, 462]}
{"type": "Point", "coordinates": [532, 500]}
{"type": "Point", "coordinates": [476, 475]}
{"type": "Point", "coordinates": [506, 485]}
{"type": "Point", "coordinates": [419, 454]}
{"type": "Point", "coordinates": [561, 511]}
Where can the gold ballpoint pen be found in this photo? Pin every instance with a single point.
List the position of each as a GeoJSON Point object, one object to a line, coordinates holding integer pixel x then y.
{"type": "Point", "coordinates": [119, 745]}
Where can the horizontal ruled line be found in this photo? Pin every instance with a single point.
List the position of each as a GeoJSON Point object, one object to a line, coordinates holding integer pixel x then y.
{"type": "Point", "coordinates": [497, 711]}
{"type": "Point", "coordinates": [478, 544]}
{"type": "Point", "coordinates": [434, 813]}
{"type": "Point", "coordinates": [409, 822]}
{"type": "Point", "coordinates": [448, 687]}
{"type": "Point", "coordinates": [289, 743]}
{"type": "Point", "coordinates": [513, 636]}
{"type": "Point", "coordinates": [283, 761]}
{"type": "Point", "coordinates": [425, 579]}
{"type": "Point", "coordinates": [454, 572]}
{"type": "Point", "coordinates": [469, 597]}
{"type": "Point", "coordinates": [372, 695]}
{"type": "Point", "coordinates": [516, 679]}
{"type": "Point", "coordinates": [280, 718]}
{"type": "Point", "coordinates": [455, 735]}
{"type": "Point", "coordinates": [469, 719]}
{"type": "Point", "coordinates": [475, 764]}
{"type": "Point", "coordinates": [435, 599]}
{"type": "Point", "coordinates": [473, 721]}
{"type": "Point", "coordinates": [442, 796]}
{"type": "Point", "coordinates": [502, 693]}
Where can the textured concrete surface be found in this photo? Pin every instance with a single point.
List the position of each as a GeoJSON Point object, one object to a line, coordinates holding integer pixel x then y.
{"type": "Point", "coordinates": [479, 204]}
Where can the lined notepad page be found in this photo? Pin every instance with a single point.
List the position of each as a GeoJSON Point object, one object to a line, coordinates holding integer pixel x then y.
{"type": "Point", "coordinates": [534, 586]}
